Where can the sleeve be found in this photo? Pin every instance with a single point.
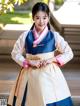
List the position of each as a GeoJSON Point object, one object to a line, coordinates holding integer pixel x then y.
{"type": "Point", "coordinates": [63, 47]}
{"type": "Point", "coordinates": [18, 49]}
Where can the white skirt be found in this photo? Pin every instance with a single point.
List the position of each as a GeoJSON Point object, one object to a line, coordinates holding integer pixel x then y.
{"type": "Point", "coordinates": [47, 85]}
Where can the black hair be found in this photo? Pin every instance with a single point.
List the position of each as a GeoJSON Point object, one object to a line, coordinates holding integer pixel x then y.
{"type": "Point", "coordinates": [40, 6]}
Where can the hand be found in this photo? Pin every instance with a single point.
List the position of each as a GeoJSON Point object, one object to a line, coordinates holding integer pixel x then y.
{"type": "Point", "coordinates": [43, 63]}
{"type": "Point", "coordinates": [48, 61]}
{"type": "Point", "coordinates": [25, 64]}
{"type": "Point", "coordinates": [51, 60]}
{"type": "Point", "coordinates": [34, 63]}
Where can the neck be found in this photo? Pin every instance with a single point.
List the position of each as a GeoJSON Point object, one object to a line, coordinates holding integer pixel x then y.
{"type": "Point", "coordinates": [38, 30]}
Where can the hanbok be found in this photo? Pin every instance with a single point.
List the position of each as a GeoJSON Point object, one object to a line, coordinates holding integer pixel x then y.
{"type": "Point", "coordinates": [44, 86]}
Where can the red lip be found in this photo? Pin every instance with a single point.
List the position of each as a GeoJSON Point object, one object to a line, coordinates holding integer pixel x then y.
{"type": "Point", "coordinates": [41, 25]}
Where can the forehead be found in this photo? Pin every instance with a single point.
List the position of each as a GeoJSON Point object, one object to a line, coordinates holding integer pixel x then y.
{"type": "Point", "coordinates": [41, 14]}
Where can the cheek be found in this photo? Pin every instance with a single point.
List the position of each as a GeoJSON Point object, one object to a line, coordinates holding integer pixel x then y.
{"type": "Point", "coordinates": [47, 20]}
{"type": "Point", "coordinates": [36, 21]}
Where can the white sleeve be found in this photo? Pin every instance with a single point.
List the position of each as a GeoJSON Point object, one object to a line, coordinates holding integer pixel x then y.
{"type": "Point", "coordinates": [18, 49]}
{"type": "Point", "coordinates": [63, 47]}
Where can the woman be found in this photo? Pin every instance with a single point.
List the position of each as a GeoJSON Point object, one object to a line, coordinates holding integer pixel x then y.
{"type": "Point", "coordinates": [41, 82]}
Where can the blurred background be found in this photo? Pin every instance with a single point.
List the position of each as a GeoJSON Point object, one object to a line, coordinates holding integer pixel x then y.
{"type": "Point", "coordinates": [16, 17]}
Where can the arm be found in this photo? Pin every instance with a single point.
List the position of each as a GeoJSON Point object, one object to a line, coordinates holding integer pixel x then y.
{"type": "Point", "coordinates": [63, 47]}
{"type": "Point", "coordinates": [64, 53]}
{"type": "Point", "coordinates": [17, 52]}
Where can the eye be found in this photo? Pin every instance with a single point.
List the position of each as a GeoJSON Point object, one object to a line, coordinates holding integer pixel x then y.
{"type": "Point", "coordinates": [44, 18]}
{"type": "Point", "coordinates": [37, 17]}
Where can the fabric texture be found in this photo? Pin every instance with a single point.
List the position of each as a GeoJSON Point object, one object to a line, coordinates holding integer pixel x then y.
{"type": "Point", "coordinates": [44, 86]}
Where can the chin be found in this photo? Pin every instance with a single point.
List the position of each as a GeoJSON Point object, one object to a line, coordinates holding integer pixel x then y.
{"type": "Point", "coordinates": [41, 28]}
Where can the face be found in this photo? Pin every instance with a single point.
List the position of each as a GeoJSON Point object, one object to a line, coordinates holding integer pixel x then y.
{"type": "Point", "coordinates": [41, 20]}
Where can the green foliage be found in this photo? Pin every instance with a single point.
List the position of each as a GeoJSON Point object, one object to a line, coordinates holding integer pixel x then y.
{"type": "Point", "coordinates": [8, 5]}
{"type": "Point", "coordinates": [16, 18]}
{"type": "Point", "coordinates": [59, 2]}
{"type": "Point", "coordinates": [19, 2]}
{"type": "Point", "coordinates": [45, 1]}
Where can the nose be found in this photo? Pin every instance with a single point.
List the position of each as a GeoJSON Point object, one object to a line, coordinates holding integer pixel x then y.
{"type": "Point", "coordinates": [41, 21]}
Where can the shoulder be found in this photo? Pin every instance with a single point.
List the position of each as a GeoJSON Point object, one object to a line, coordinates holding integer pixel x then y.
{"type": "Point", "coordinates": [24, 35]}
{"type": "Point", "coordinates": [57, 35]}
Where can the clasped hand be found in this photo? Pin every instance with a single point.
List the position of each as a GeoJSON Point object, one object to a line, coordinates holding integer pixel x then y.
{"type": "Point", "coordinates": [40, 63]}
